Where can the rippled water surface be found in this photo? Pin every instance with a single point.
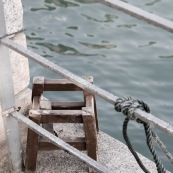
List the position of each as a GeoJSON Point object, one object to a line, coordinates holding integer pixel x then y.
{"type": "Point", "coordinates": [124, 55]}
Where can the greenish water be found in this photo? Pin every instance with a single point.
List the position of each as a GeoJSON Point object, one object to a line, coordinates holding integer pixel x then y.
{"type": "Point", "coordinates": [124, 55]}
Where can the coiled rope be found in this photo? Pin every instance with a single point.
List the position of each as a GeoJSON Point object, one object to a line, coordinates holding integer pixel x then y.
{"type": "Point", "coordinates": [127, 106]}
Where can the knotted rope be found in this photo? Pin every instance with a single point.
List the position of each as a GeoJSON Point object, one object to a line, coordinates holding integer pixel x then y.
{"type": "Point", "coordinates": [128, 105]}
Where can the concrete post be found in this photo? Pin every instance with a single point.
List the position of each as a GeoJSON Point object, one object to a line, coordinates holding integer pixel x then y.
{"type": "Point", "coordinates": [14, 75]}
{"type": "Point", "coordinates": [19, 65]}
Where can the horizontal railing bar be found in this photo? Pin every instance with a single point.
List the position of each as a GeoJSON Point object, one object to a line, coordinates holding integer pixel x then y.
{"type": "Point", "coordinates": [56, 112]}
{"type": "Point", "coordinates": [148, 118]}
{"type": "Point", "coordinates": [59, 70]}
{"type": "Point", "coordinates": [60, 143]}
{"type": "Point", "coordinates": [140, 14]}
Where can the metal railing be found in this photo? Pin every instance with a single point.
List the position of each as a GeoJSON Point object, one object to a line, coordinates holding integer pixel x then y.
{"type": "Point", "coordinates": [148, 118]}
{"type": "Point", "coordinates": [139, 14]}
{"type": "Point", "coordinates": [7, 94]}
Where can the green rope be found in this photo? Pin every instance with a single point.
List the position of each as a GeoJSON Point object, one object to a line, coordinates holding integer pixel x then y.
{"type": "Point", "coordinates": [126, 138]}
{"type": "Point", "coordinates": [127, 106]}
{"type": "Point", "coordinates": [159, 165]}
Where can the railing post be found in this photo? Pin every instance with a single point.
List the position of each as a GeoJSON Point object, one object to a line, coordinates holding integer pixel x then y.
{"type": "Point", "coordinates": [7, 100]}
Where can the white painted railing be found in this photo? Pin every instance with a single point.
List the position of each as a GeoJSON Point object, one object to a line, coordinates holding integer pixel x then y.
{"type": "Point", "coordinates": [7, 94]}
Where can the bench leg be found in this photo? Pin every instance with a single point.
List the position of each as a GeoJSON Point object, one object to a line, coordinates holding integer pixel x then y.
{"type": "Point", "coordinates": [96, 117]}
{"type": "Point", "coordinates": [90, 133]}
{"type": "Point", "coordinates": [32, 148]}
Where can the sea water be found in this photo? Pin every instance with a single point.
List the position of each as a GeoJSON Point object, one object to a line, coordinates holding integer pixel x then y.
{"type": "Point", "coordinates": [126, 57]}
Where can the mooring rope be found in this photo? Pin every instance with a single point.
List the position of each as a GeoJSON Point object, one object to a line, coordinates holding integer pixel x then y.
{"type": "Point", "coordinates": [162, 147]}
{"type": "Point", "coordinates": [126, 138]}
{"type": "Point", "coordinates": [127, 106]}
{"type": "Point", "coordinates": [159, 165]}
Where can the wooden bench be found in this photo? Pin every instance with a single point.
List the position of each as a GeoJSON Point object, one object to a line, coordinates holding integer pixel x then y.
{"type": "Point", "coordinates": [45, 113]}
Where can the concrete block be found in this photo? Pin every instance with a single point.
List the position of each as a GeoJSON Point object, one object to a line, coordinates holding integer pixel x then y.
{"type": "Point", "coordinates": [23, 101]}
{"type": "Point", "coordinates": [14, 22]}
{"type": "Point", "coordinates": [19, 66]}
{"type": "Point", "coordinates": [14, 15]}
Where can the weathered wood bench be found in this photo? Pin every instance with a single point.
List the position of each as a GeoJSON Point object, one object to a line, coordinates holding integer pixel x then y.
{"type": "Point", "coordinates": [45, 113]}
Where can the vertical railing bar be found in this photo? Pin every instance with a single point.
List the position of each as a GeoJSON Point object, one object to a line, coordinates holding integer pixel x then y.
{"type": "Point", "coordinates": [7, 101]}
{"type": "Point", "coordinates": [148, 118]}
{"type": "Point", "coordinates": [60, 143]}
{"type": "Point", "coordinates": [139, 14]}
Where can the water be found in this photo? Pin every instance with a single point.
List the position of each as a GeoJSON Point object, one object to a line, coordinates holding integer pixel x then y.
{"type": "Point", "coordinates": [124, 55]}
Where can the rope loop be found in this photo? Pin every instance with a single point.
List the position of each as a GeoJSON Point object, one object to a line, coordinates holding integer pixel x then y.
{"type": "Point", "coordinates": [128, 105]}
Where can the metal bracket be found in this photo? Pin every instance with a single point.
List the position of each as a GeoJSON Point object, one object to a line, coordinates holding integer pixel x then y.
{"type": "Point", "coordinates": [13, 33]}
{"type": "Point", "coordinates": [9, 111]}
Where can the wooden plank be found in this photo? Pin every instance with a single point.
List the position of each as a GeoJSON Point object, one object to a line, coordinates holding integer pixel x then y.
{"type": "Point", "coordinates": [96, 115]}
{"type": "Point", "coordinates": [90, 132]}
{"type": "Point", "coordinates": [60, 85]}
{"type": "Point", "coordinates": [61, 118]}
{"type": "Point", "coordinates": [56, 112]}
{"type": "Point", "coordinates": [32, 146]}
{"type": "Point", "coordinates": [47, 106]}
{"type": "Point", "coordinates": [36, 102]}
{"type": "Point", "coordinates": [67, 105]}
{"type": "Point", "coordinates": [91, 103]}
{"type": "Point", "coordinates": [79, 143]}
{"type": "Point", "coordinates": [64, 105]}
{"type": "Point", "coordinates": [38, 86]}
